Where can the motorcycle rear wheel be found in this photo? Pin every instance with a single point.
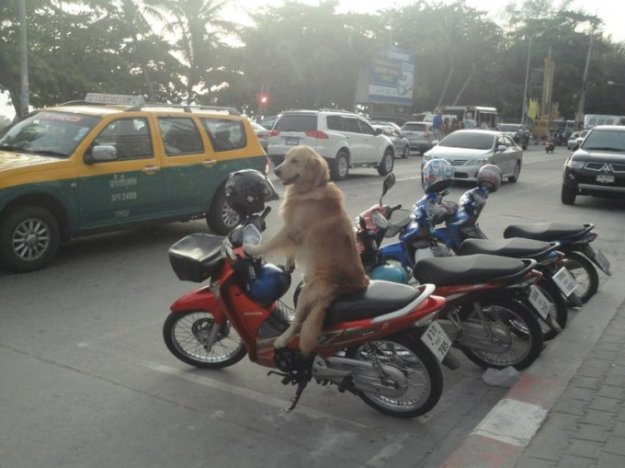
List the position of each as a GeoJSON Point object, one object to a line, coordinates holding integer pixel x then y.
{"type": "Point", "coordinates": [414, 360]}
{"type": "Point", "coordinates": [525, 337]}
{"type": "Point", "coordinates": [185, 334]}
{"type": "Point", "coordinates": [585, 274]}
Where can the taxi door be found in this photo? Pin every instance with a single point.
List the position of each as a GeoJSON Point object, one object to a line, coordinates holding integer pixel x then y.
{"type": "Point", "coordinates": [126, 189]}
{"type": "Point", "coordinates": [188, 165]}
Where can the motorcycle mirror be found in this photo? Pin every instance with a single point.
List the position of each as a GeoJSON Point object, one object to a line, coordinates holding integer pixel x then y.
{"type": "Point", "coordinates": [389, 181]}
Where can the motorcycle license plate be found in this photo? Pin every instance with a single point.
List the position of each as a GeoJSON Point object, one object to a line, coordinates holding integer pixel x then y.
{"type": "Point", "coordinates": [436, 340]}
{"type": "Point", "coordinates": [565, 281]}
{"type": "Point", "coordinates": [292, 141]}
{"type": "Point", "coordinates": [539, 301]}
{"type": "Point", "coordinates": [605, 178]}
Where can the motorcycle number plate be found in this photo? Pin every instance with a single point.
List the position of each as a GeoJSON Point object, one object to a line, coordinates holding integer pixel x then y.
{"type": "Point", "coordinates": [436, 340]}
{"type": "Point", "coordinates": [539, 301]}
{"type": "Point", "coordinates": [565, 281]}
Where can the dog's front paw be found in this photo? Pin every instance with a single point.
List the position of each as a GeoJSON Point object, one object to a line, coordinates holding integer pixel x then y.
{"type": "Point", "coordinates": [281, 342]}
{"type": "Point", "coordinates": [252, 250]}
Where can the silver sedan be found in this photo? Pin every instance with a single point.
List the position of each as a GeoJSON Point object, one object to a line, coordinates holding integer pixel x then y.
{"type": "Point", "coordinates": [468, 150]}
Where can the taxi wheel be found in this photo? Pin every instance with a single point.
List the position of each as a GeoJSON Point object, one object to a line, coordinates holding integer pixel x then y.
{"type": "Point", "coordinates": [29, 238]}
{"type": "Point", "coordinates": [221, 219]}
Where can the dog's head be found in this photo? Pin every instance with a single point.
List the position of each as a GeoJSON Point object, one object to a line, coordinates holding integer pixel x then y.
{"type": "Point", "coordinates": [304, 168]}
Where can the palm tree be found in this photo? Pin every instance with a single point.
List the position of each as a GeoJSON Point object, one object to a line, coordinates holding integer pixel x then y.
{"type": "Point", "coordinates": [198, 29]}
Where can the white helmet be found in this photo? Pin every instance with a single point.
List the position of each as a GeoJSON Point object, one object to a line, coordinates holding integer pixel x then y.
{"type": "Point", "coordinates": [489, 177]}
{"type": "Point", "coordinates": [437, 175]}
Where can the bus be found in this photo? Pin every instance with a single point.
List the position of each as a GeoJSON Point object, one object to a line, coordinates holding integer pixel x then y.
{"type": "Point", "coordinates": [473, 116]}
{"type": "Point", "coordinates": [590, 120]}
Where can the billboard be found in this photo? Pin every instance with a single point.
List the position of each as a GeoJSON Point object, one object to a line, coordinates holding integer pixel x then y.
{"type": "Point", "coordinates": [391, 77]}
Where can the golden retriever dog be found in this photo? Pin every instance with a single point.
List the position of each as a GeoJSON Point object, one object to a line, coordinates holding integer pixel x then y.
{"type": "Point", "coordinates": [317, 234]}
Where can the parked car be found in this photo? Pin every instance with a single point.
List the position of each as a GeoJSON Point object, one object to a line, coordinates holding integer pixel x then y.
{"type": "Point", "coordinates": [262, 134]}
{"type": "Point", "coordinates": [597, 167]}
{"type": "Point", "coordinates": [468, 150]}
{"type": "Point", "coordinates": [386, 123]}
{"type": "Point", "coordinates": [111, 162]}
{"type": "Point", "coordinates": [517, 132]}
{"type": "Point", "coordinates": [344, 139]}
{"type": "Point", "coordinates": [419, 135]}
{"type": "Point", "coordinates": [575, 139]}
{"type": "Point", "coordinates": [400, 142]}
{"type": "Point", "coordinates": [268, 121]}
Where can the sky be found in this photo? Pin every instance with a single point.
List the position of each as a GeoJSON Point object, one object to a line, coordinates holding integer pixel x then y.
{"type": "Point", "coordinates": [611, 12]}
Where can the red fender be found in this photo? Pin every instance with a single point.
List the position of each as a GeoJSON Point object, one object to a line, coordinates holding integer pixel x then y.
{"type": "Point", "coordinates": [200, 299]}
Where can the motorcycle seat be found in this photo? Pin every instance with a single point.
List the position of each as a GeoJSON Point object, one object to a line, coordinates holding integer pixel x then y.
{"type": "Point", "coordinates": [546, 231]}
{"type": "Point", "coordinates": [516, 247]}
{"type": "Point", "coordinates": [379, 298]}
{"type": "Point", "coordinates": [469, 269]}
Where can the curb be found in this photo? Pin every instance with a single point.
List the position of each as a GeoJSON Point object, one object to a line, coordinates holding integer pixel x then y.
{"type": "Point", "coordinates": [508, 429]}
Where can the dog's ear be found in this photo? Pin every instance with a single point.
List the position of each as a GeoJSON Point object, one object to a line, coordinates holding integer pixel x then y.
{"type": "Point", "coordinates": [318, 168]}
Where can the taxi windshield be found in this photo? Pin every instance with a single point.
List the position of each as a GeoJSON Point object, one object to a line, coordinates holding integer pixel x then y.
{"type": "Point", "coordinates": [48, 133]}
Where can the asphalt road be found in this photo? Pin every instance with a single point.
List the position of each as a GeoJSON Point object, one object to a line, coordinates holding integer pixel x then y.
{"type": "Point", "coordinates": [86, 380]}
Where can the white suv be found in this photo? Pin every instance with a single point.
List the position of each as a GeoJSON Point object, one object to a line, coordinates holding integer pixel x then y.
{"type": "Point", "coordinates": [343, 138]}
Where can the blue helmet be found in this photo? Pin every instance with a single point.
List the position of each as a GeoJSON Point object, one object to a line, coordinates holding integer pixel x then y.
{"type": "Point", "coordinates": [393, 273]}
{"type": "Point", "coordinates": [269, 284]}
{"type": "Point", "coordinates": [437, 175]}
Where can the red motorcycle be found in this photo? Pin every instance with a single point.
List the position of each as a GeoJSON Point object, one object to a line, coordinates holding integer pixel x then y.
{"type": "Point", "coordinates": [381, 344]}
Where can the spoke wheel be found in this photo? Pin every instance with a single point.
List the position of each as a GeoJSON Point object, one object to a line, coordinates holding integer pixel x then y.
{"type": "Point", "coordinates": [186, 335]}
{"type": "Point", "coordinates": [416, 362]}
{"type": "Point", "coordinates": [585, 274]}
{"type": "Point", "coordinates": [524, 338]}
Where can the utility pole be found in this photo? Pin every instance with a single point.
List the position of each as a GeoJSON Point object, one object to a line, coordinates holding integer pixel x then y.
{"type": "Point", "coordinates": [23, 108]}
{"type": "Point", "coordinates": [582, 96]}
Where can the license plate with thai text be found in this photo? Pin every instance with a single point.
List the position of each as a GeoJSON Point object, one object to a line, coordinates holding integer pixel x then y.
{"type": "Point", "coordinates": [436, 340]}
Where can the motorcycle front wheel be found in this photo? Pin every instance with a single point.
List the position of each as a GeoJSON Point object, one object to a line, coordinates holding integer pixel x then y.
{"type": "Point", "coordinates": [584, 273]}
{"type": "Point", "coordinates": [186, 335]}
{"type": "Point", "coordinates": [524, 337]}
{"type": "Point", "coordinates": [416, 362]}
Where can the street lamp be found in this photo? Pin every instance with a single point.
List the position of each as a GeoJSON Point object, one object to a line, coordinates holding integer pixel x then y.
{"type": "Point", "coordinates": [615, 83]}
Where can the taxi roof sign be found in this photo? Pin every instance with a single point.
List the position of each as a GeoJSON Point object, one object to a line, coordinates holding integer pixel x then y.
{"type": "Point", "coordinates": [119, 99]}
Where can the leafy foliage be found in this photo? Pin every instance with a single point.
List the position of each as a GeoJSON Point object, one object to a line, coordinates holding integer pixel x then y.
{"type": "Point", "coordinates": [306, 56]}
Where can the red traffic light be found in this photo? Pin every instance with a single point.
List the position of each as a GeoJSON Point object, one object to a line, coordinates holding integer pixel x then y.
{"type": "Point", "coordinates": [262, 99]}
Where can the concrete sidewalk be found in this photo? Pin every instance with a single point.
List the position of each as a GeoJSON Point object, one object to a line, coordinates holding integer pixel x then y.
{"type": "Point", "coordinates": [568, 408]}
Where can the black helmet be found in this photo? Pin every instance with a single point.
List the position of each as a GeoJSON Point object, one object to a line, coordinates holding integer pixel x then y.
{"type": "Point", "coordinates": [248, 190]}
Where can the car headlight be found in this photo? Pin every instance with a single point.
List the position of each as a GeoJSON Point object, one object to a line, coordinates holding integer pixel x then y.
{"type": "Point", "coordinates": [482, 160]}
{"type": "Point", "coordinates": [575, 164]}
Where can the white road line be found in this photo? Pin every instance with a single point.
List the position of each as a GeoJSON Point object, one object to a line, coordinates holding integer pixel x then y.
{"type": "Point", "coordinates": [512, 422]}
{"type": "Point", "coordinates": [252, 395]}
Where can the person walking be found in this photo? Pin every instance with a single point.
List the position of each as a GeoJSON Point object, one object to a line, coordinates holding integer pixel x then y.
{"type": "Point", "coordinates": [437, 125]}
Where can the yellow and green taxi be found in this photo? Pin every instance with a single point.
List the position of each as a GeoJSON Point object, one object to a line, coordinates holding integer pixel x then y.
{"type": "Point", "coordinates": [111, 162]}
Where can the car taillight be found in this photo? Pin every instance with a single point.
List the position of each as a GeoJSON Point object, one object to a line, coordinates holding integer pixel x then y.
{"type": "Point", "coordinates": [317, 134]}
{"type": "Point", "coordinates": [274, 133]}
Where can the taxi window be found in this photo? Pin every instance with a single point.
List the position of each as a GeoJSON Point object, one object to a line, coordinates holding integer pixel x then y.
{"type": "Point", "coordinates": [50, 133]}
{"type": "Point", "coordinates": [180, 136]}
{"type": "Point", "coordinates": [225, 135]}
{"type": "Point", "coordinates": [130, 137]}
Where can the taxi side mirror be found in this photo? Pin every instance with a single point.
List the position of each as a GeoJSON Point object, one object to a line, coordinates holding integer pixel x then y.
{"type": "Point", "coordinates": [101, 153]}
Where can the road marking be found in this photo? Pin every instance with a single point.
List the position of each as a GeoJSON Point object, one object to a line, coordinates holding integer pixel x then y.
{"type": "Point", "coordinates": [387, 453]}
{"type": "Point", "coordinates": [248, 394]}
{"type": "Point", "coordinates": [512, 422]}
